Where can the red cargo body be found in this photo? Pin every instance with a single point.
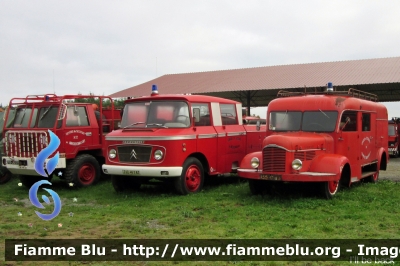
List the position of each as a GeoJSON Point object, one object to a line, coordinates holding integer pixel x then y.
{"type": "Point", "coordinates": [329, 138]}
{"type": "Point", "coordinates": [178, 138]}
{"type": "Point", "coordinates": [81, 128]}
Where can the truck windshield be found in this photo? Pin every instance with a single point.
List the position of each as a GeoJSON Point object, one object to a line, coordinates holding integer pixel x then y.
{"type": "Point", "coordinates": [319, 121]}
{"type": "Point", "coordinates": [21, 116]}
{"type": "Point", "coordinates": [153, 114]}
{"type": "Point", "coordinates": [391, 130]}
{"type": "Point", "coordinates": [47, 116]}
{"type": "Point", "coordinates": [310, 121]}
{"type": "Point", "coordinates": [285, 121]}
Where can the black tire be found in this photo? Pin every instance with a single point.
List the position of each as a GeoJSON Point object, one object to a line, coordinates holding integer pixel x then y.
{"type": "Point", "coordinates": [192, 178]}
{"type": "Point", "coordinates": [329, 189]}
{"type": "Point", "coordinates": [373, 178]}
{"type": "Point", "coordinates": [83, 171]}
{"type": "Point", "coordinates": [5, 175]}
{"type": "Point", "coordinates": [122, 183]}
{"type": "Point", "coordinates": [29, 180]}
{"type": "Point", "coordinates": [260, 186]}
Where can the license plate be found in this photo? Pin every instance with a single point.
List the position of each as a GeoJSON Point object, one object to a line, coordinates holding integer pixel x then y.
{"type": "Point", "coordinates": [130, 172]}
{"type": "Point", "coordinates": [23, 162]}
{"type": "Point", "coordinates": [271, 177]}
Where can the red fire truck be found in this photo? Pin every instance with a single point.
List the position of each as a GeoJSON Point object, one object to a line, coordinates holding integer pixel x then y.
{"type": "Point", "coordinates": [79, 126]}
{"type": "Point", "coordinates": [393, 136]}
{"type": "Point", "coordinates": [178, 138]}
{"type": "Point", "coordinates": [329, 138]}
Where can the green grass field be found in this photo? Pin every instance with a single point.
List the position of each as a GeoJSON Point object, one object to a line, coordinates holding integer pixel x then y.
{"type": "Point", "coordinates": [224, 209]}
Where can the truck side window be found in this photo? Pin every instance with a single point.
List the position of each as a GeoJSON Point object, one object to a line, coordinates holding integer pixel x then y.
{"type": "Point", "coordinates": [228, 114]}
{"type": "Point", "coordinates": [366, 122]}
{"type": "Point", "coordinates": [76, 117]}
{"type": "Point", "coordinates": [205, 119]}
{"type": "Point", "coordinates": [348, 122]}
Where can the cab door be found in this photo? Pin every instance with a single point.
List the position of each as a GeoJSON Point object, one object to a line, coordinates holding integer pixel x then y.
{"type": "Point", "coordinates": [78, 133]}
{"type": "Point", "coordinates": [206, 135]}
{"type": "Point", "coordinates": [367, 137]}
{"type": "Point", "coordinates": [349, 141]}
{"type": "Point", "coordinates": [231, 136]}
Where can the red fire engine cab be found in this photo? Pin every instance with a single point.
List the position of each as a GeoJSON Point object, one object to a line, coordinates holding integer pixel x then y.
{"type": "Point", "coordinates": [80, 126]}
{"type": "Point", "coordinates": [178, 138]}
{"type": "Point", "coordinates": [393, 136]}
{"type": "Point", "coordinates": [330, 138]}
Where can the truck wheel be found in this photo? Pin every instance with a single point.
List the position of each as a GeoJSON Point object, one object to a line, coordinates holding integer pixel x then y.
{"type": "Point", "coordinates": [82, 171]}
{"type": "Point", "coordinates": [329, 188]}
{"type": "Point", "coordinates": [256, 186]}
{"type": "Point", "coordinates": [121, 183]}
{"type": "Point", "coordinates": [192, 177]}
{"type": "Point", "coordinates": [29, 180]}
{"type": "Point", "coordinates": [373, 178]}
{"type": "Point", "coordinates": [5, 175]}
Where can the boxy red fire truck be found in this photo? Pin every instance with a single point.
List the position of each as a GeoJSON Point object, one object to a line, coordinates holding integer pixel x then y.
{"type": "Point", "coordinates": [79, 126]}
{"type": "Point", "coordinates": [393, 136]}
{"type": "Point", "coordinates": [178, 138]}
{"type": "Point", "coordinates": [330, 138]}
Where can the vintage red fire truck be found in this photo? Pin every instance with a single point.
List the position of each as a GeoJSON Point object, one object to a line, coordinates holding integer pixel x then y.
{"type": "Point", "coordinates": [79, 126]}
{"type": "Point", "coordinates": [393, 136]}
{"type": "Point", "coordinates": [329, 138]}
{"type": "Point", "coordinates": [178, 138]}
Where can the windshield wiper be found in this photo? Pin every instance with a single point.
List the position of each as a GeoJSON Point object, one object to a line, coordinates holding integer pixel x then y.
{"type": "Point", "coordinates": [155, 124]}
{"type": "Point", "coordinates": [323, 113]}
{"type": "Point", "coordinates": [45, 113]}
{"type": "Point", "coordinates": [22, 118]}
{"type": "Point", "coordinates": [284, 117]}
{"type": "Point", "coordinates": [133, 124]}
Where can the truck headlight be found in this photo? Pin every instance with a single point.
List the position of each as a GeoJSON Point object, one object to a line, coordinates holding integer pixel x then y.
{"type": "Point", "coordinates": [112, 154]}
{"type": "Point", "coordinates": [297, 164]}
{"type": "Point", "coordinates": [255, 163]}
{"type": "Point", "coordinates": [158, 155]}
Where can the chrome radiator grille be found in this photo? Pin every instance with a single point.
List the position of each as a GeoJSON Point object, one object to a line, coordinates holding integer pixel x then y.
{"type": "Point", "coordinates": [25, 143]}
{"type": "Point", "coordinates": [304, 155]}
{"type": "Point", "coordinates": [274, 159]}
{"type": "Point", "coordinates": [134, 154]}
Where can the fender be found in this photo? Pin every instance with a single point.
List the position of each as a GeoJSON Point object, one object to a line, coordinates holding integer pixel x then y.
{"type": "Point", "coordinates": [379, 154]}
{"type": "Point", "coordinates": [329, 163]}
{"type": "Point", "coordinates": [246, 161]}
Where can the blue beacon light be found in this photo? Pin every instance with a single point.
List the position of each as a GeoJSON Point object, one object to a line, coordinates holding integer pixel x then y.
{"type": "Point", "coordinates": [330, 86]}
{"type": "Point", "coordinates": [154, 90]}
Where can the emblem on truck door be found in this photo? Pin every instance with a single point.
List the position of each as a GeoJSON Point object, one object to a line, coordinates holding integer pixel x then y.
{"type": "Point", "coordinates": [133, 154]}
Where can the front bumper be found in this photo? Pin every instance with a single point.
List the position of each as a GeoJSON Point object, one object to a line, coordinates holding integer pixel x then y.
{"type": "Point", "coordinates": [147, 171]}
{"type": "Point", "coordinates": [26, 166]}
{"type": "Point", "coordinates": [284, 177]}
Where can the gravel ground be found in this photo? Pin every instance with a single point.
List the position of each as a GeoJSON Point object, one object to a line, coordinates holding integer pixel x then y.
{"type": "Point", "coordinates": [393, 170]}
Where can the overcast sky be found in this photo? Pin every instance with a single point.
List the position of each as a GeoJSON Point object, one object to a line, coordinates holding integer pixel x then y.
{"type": "Point", "coordinates": [71, 47]}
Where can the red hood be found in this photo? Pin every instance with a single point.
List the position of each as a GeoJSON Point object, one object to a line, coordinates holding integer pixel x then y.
{"type": "Point", "coordinates": [300, 141]}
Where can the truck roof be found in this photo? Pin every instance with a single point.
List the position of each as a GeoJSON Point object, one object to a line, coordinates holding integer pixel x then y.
{"type": "Point", "coordinates": [184, 97]}
{"type": "Point", "coordinates": [326, 101]}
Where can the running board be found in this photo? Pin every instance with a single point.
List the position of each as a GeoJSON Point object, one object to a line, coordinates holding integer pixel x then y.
{"type": "Point", "coordinates": [365, 174]}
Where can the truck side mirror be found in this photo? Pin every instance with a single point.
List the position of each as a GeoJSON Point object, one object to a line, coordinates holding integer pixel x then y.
{"type": "Point", "coordinates": [196, 115]}
{"type": "Point", "coordinates": [258, 125]}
